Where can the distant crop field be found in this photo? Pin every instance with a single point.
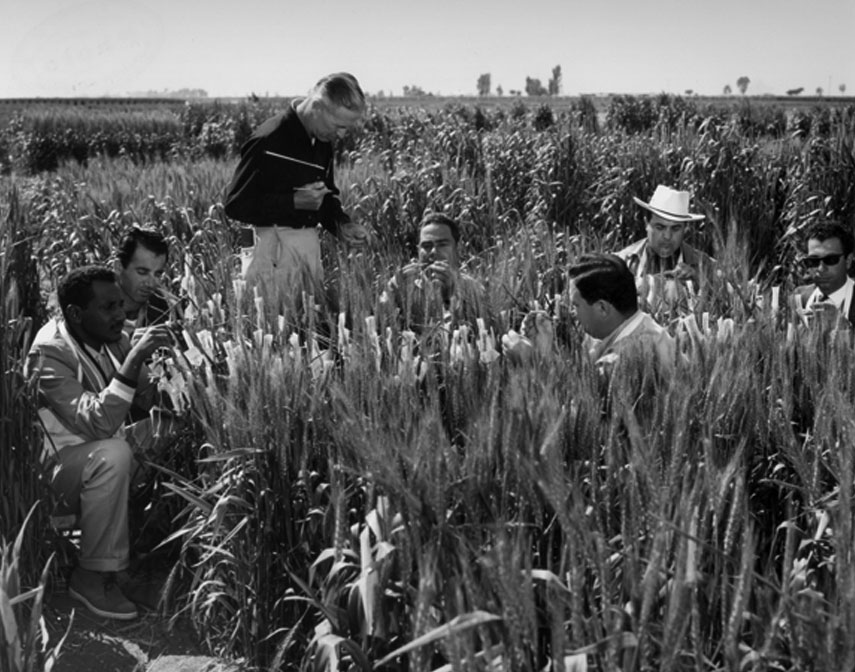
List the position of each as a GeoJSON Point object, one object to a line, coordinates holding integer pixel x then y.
{"type": "Point", "coordinates": [423, 102]}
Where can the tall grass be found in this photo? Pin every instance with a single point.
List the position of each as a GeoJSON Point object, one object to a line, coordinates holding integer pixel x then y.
{"type": "Point", "coordinates": [21, 478]}
{"type": "Point", "coordinates": [24, 645]}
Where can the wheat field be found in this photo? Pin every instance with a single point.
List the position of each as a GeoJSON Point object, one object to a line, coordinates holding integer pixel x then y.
{"type": "Point", "coordinates": [350, 493]}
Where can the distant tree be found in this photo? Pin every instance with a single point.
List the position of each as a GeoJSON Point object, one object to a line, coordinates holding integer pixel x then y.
{"type": "Point", "coordinates": [689, 92]}
{"type": "Point", "coordinates": [484, 84]}
{"type": "Point", "coordinates": [499, 90]}
{"type": "Point", "coordinates": [842, 88]}
{"type": "Point", "coordinates": [414, 91]}
{"type": "Point", "coordinates": [515, 92]}
{"type": "Point", "coordinates": [555, 81]}
{"type": "Point", "coordinates": [795, 92]}
{"type": "Point", "coordinates": [533, 87]}
{"type": "Point", "coordinates": [727, 90]}
{"type": "Point", "coordinates": [178, 93]}
{"type": "Point", "coordinates": [819, 91]}
{"type": "Point", "coordinates": [742, 84]}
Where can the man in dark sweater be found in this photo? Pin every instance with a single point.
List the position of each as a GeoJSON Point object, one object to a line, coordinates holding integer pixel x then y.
{"type": "Point", "coordinates": [284, 186]}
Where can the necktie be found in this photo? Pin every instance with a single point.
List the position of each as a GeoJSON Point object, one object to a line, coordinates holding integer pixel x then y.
{"type": "Point", "coordinates": [105, 362]}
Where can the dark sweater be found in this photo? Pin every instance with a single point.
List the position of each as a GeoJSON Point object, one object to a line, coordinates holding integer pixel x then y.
{"type": "Point", "coordinates": [262, 189]}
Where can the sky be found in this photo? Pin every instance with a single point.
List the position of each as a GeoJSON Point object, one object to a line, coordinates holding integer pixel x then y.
{"type": "Point", "coordinates": [61, 48]}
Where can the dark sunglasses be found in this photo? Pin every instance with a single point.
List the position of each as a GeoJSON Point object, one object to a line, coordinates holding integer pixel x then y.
{"type": "Point", "coordinates": [827, 260]}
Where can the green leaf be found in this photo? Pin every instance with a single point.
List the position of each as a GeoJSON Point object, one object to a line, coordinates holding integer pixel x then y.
{"type": "Point", "coordinates": [453, 627]}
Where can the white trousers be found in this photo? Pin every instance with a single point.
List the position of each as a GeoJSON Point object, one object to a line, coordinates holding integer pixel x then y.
{"type": "Point", "coordinates": [283, 260]}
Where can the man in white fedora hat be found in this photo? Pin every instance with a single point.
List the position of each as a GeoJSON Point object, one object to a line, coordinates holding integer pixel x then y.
{"type": "Point", "coordinates": [664, 250]}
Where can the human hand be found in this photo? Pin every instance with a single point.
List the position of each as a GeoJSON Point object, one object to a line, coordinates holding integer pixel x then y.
{"type": "Point", "coordinates": [683, 271]}
{"type": "Point", "coordinates": [823, 313]}
{"type": "Point", "coordinates": [412, 269]}
{"type": "Point", "coordinates": [537, 327]}
{"type": "Point", "coordinates": [353, 234]}
{"type": "Point", "coordinates": [442, 274]}
{"type": "Point", "coordinates": [138, 334]}
{"type": "Point", "coordinates": [517, 348]}
{"type": "Point", "coordinates": [151, 339]}
{"type": "Point", "coordinates": [310, 196]}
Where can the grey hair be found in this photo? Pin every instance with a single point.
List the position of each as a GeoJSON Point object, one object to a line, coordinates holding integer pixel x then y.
{"type": "Point", "coordinates": [341, 90]}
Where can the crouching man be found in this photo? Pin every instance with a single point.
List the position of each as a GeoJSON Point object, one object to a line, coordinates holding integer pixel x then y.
{"type": "Point", "coordinates": [604, 301]}
{"type": "Point", "coordinates": [436, 274]}
{"type": "Point", "coordinates": [89, 380]}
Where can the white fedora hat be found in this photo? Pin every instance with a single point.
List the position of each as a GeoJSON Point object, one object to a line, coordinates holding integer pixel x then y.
{"type": "Point", "coordinates": [670, 204]}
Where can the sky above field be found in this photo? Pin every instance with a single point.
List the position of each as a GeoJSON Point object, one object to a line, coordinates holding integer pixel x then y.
{"type": "Point", "coordinates": [281, 47]}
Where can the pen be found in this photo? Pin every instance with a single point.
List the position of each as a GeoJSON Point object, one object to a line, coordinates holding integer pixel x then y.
{"type": "Point", "coordinates": [291, 158]}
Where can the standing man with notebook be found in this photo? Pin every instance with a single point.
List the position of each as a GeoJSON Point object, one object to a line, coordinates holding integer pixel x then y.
{"type": "Point", "coordinates": [284, 186]}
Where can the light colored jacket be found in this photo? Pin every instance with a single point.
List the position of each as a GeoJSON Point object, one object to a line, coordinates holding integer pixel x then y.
{"type": "Point", "coordinates": [79, 401]}
{"type": "Point", "coordinates": [640, 335]}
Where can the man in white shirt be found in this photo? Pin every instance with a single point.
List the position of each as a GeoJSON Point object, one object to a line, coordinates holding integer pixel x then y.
{"type": "Point", "coordinates": [829, 252]}
{"type": "Point", "coordinates": [604, 300]}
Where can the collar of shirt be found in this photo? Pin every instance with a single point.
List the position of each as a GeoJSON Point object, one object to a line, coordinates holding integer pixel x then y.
{"type": "Point", "coordinates": [597, 348]}
{"type": "Point", "coordinates": [626, 328]}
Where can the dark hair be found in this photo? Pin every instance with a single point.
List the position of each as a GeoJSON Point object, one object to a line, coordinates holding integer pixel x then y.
{"type": "Point", "coordinates": [149, 238]}
{"type": "Point", "coordinates": [605, 277]}
{"type": "Point", "coordinates": [439, 218]}
{"type": "Point", "coordinates": [75, 289]}
{"type": "Point", "coordinates": [824, 230]}
{"type": "Point", "coordinates": [342, 90]}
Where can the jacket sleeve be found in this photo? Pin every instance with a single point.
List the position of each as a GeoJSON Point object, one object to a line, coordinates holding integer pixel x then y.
{"type": "Point", "coordinates": [94, 416]}
{"type": "Point", "coordinates": [332, 215]}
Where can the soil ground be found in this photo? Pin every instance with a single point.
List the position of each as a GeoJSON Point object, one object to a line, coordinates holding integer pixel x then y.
{"type": "Point", "coordinates": [147, 644]}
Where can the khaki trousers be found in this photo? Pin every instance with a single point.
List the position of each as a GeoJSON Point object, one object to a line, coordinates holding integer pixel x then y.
{"type": "Point", "coordinates": [92, 479]}
{"type": "Point", "coordinates": [283, 260]}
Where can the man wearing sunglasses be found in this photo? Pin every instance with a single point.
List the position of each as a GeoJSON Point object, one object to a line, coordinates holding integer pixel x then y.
{"type": "Point", "coordinates": [829, 251]}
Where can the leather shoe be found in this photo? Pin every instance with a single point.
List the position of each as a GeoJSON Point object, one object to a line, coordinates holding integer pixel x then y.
{"type": "Point", "coordinates": [99, 592]}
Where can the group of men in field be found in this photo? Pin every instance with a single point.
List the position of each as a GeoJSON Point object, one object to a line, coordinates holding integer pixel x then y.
{"type": "Point", "coordinates": [95, 388]}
